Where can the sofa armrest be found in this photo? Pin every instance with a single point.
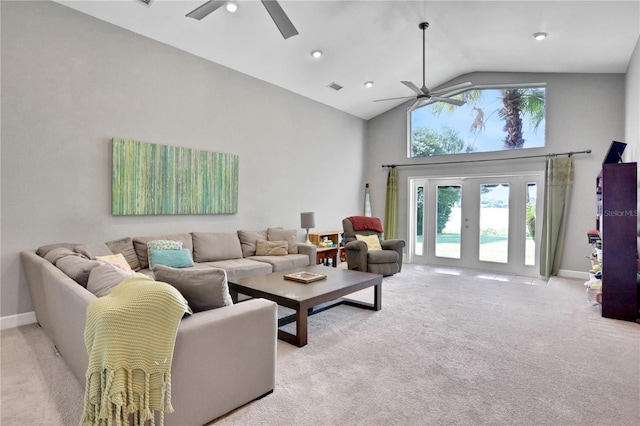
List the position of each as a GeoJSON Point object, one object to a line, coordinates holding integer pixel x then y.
{"type": "Point", "coordinates": [310, 250]}
{"type": "Point", "coordinates": [394, 244]}
{"type": "Point", "coordinates": [356, 255]}
{"type": "Point", "coordinates": [223, 359]}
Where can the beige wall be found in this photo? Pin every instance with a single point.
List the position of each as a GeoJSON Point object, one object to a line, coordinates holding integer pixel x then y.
{"type": "Point", "coordinates": [584, 111]}
{"type": "Point", "coordinates": [70, 83]}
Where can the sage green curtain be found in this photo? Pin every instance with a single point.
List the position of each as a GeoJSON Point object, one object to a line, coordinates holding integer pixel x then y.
{"type": "Point", "coordinates": [391, 206]}
{"type": "Point", "coordinates": [557, 190]}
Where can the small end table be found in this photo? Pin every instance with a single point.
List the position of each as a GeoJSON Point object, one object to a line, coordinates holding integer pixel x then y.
{"type": "Point", "coordinates": [323, 254]}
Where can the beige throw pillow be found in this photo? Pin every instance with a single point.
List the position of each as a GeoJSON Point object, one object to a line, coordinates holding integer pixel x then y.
{"type": "Point", "coordinates": [117, 260]}
{"type": "Point", "coordinates": [271, 248]}
{"type": "Point", "coordinates": [372, 241]}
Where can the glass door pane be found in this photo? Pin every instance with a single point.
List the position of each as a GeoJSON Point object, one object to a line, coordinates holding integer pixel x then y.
{"type": "Point", "coordinates": [419, 238]}
{"type": "Point", "coordinates": [448, 222]}
{"type": "Point", "coordinates": [494, 222]}
{"type": "Point", "coordinates": [530, 224]}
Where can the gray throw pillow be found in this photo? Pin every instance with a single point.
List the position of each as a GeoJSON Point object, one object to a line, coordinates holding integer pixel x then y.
{"type": "Point", "coordinates": [125, 247]}
{"type": "Point", "coordinates": [104, 278]}
{"type": "Point", "coordinates": [204, 289]}
{"type": "Point", "coordinates": [212, 246]}
{"type": "Point", "coordinates": [58, 253]}
{"type": "Point", "coordinates": [77, 268]}
{"type": "Point", "coordinates": [43, 250]}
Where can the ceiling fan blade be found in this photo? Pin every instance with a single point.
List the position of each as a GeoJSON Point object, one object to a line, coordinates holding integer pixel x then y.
{"type": "Point", "coordinates": [452, 101]}
{"type": "Point", "coordinates": [205, 9]}
{"type": "Point", "coordinates": [280, 18]}
{"type": "Point", "coordinates": [417, 104]}
{"type": "Point", "coordinates": [412, 86]}
{"type": "Point", "coordinates": [393, 99]}
{"type": "Point", "coordinates": [452, 88]}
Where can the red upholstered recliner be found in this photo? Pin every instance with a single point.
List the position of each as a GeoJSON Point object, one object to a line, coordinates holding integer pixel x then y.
{"type": "Point", "coordinates": [387, 261]}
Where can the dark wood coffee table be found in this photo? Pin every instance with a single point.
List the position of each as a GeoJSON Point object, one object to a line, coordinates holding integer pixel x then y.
{"type": "Point", "coordinates": [309, 299]}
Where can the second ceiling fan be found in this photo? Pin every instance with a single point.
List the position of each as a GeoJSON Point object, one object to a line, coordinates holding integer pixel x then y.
{"type": "Point", "coordinates": [424, 95]}
{"type": "Point", "coordinates": [273, 7]}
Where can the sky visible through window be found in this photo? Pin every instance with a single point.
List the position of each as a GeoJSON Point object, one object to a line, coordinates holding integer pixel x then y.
{"type": "Point", "coordinates": [488, 134]}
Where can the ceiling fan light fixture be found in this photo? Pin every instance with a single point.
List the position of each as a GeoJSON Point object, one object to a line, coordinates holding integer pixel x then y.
{"type": "Point", "coordinates": [316, 54]}
{"type": "Point", "coordinates": [368, 84]}
{"type": "Point", "coordinates": [231, 6]}
{"type": "Point", "coordinates": [540, 36]}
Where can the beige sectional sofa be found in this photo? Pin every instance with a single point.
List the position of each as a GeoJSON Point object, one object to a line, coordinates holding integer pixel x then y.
{"type": "Point", "coordinates": [223, 358]}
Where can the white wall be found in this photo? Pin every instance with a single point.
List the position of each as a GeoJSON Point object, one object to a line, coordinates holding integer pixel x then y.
{"type": "Point", "coordinates": [632, 107]}
{"type": "Point", "coordinates": [584, 111]}
{"type": "Point", "coordinates": [70, 83]}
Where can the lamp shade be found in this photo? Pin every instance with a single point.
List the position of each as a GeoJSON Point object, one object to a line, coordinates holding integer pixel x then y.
{"type": "Point", "coordinates": [307, 220]}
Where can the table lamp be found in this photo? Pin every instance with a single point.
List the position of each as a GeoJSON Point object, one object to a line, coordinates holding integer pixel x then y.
{"type": "Point", "coordinates": [307, 221]}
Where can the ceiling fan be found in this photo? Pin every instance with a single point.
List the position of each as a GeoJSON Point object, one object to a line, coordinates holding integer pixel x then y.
{"type": "Point", "coordinates": [424, 95]}
{"type": "Point", "coordinates": [273, 7]}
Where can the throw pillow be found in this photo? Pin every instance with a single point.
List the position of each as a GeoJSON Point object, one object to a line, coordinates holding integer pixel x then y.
{"type": "Point", "coordinates": [125, 246]}
{"type": "Point", "coordinates": [372, 241]}
{"type": "Point", "coordinates": [117, 260]}
{"type": "Point", "coordinates": [43, 250]}
{"type": "Point", "coordinates": [164, 245]}
{"type": "Point", "coordinates": [271, 248]}
{"type": "Point", "coordinates": [203, 288]}
{"type": "Point", "coordinates": [58, 253]}
{"type": "Point", "coordinates": [92, 250]}
{"type": "Point", "coordinates": [77, 268]}
{"type": "Point", "coordinates": [173, 258]}
{"type": "Point", "coordinates": [248, 241]}
{"type": "Point", "coordinates": [104, 278]}
{"type": "Point", "coordinates": [288, 235]}
{"type": "Point", "coordinates": [140, 245]}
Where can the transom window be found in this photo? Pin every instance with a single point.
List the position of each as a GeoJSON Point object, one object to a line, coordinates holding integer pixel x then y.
{"type": "Point", "coordinates": [492, 119]}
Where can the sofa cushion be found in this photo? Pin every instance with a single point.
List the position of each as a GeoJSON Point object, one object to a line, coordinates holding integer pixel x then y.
{"type": "Point", "coordinates": [116, 260]}
{"type": "Point", "coordinates": [248, 241]}
{"type": "Point", "coordinates": [173, 258]}
{"type": "Point", "coordinates": [104, 278]}
{"type": "Point", "coordinates": [372, 241]}
{"type": "Point", "coordinates": [58, 253]}
{"type": "Point", "coordinates": [204, 289]}
{"type": "Point", "coordinates": [271, 248]}
{"type": "Point", "coordinates": [125, 247]}
{"type": "Point", "coordinates": [212, 246]}
{"type": "Point", "coordinates": [281, 263]}
{"type": "Point", "coordinates": [77, 268]}
{"type": "Point", "coordinates": [140, 245]}
{"type": "Point", "coordinates": [288, 235]}
{"type": "Point", "coordinates": [240, 268]}
{"type": "Point", "coordinates": [92, 250]}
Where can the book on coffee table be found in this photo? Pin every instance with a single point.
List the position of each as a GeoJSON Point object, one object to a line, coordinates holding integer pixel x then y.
{"type": "Point", "coordinates": [304, 277]}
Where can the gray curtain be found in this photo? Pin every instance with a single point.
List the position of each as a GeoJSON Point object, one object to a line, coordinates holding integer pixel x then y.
{"type": "Point", "coordinates": [557, 191]}
{"type": "Point", "coordinates": [391, 206]}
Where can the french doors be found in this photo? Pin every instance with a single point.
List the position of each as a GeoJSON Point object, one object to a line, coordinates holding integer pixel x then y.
{"type": "Point", "coordinates": [486, 222]}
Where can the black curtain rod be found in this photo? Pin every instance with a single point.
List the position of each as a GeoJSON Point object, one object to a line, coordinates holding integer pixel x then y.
{"type": "Point", "coordinates": [568, 154]}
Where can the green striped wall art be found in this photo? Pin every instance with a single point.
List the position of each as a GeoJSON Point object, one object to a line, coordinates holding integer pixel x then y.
{"type": "Point", "coordinates": [152, 179]}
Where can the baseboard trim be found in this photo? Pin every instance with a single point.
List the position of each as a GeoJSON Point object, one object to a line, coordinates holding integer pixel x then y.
{"type": "Point", "coordinates": [581, 275]}
{"type": "Point", "coordinates": [12, 321]}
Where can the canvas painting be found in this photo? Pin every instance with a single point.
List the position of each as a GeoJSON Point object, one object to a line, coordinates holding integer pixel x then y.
{"type": "Point", "coordinates": [153, 179]}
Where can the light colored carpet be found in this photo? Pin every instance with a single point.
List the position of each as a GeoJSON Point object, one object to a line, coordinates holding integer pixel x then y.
{"type": "Point", "coordinates": [446, 349]}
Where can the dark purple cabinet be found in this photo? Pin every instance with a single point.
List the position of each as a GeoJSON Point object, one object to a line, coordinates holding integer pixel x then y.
{"type": "Point", "coordinates": [617, 223]}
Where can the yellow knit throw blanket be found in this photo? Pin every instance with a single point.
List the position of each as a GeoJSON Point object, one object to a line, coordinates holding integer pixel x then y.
{"type": "Point", "coordinates": [130, 335]}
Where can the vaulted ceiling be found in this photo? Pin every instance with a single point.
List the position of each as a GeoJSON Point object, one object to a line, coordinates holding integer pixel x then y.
{"type": "Point", "coordinates": [380, 41]}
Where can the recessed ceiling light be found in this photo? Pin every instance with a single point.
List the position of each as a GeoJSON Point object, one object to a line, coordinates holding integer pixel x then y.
{"type": "Point", "coordinates": [231, 6]}
{"type": "Point", "coordinates": [368, 84]}
{"type": "Point", "coordinates": [540, 36]}
{"type": "Point", "coordinates": [316, 53]}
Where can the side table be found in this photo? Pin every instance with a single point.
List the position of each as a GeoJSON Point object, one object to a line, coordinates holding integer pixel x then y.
{"type": "Point", "coordinates": [323, 254]}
